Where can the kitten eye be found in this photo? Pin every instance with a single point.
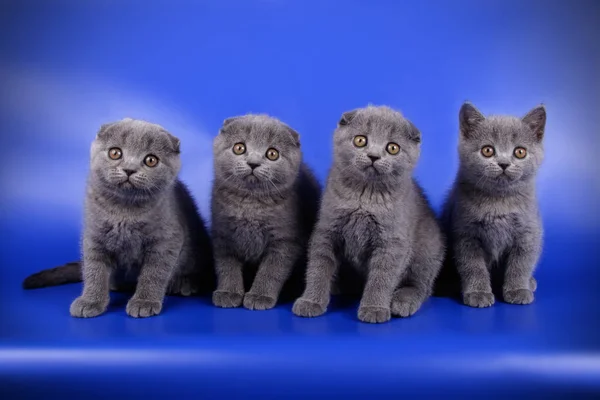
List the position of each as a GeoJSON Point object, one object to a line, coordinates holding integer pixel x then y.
{"type": "Point", "coordinates": [239, 148]}
{"type": "Point", "coordinates": [272, 154]}
{"type": "Point", "coordinates": [520, 152]}
{"type": "Point", "coordinates": [151, 160]}
{"type": "Point", "coordinates": [115, 153]}
{"type": "Point", "coordinates": [360, 141]}
{"type": "Point", "coordinates": [488, 151]}
{"type": "Point", "coordinates": [392, 148]}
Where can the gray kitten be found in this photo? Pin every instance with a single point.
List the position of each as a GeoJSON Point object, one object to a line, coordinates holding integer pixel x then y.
{"type": "Point", "coordinates": [140, 223]}
{"type": "Point", "coordinates": [375, 219]}
{"type": "Point", "coordinates": [264, 206]}
{"type": "Point", "coordinates": [491, 215]}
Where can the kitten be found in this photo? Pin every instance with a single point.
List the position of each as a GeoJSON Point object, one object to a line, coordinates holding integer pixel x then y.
{"type": "Point", "coordinates": [264, 206]}
{"type": "Point", "coordinates": [374, 218]}
{"type": "Point", "coordinates": [141, 223]}
{"type": "Point", "coordinates": [491, 215]}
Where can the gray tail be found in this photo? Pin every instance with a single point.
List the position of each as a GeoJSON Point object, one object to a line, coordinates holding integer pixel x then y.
{"type": "Point", "coordinates": [68, 273]}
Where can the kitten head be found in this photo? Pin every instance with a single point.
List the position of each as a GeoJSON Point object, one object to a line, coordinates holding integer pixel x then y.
{"type": "Point", "coordinates": [133, 159]}
{"type": "Point", "coordinates": [375, 144]}
{"type": "Point", "coordinates": [500, 153]}
{"type": "Point", "coordinates": [256, 153]}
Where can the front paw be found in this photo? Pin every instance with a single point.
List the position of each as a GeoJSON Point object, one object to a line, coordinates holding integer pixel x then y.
{"type": "Point", "coordinates": [405, 303]}
{"type": "Point", "coordinates": [374, 315]}
{"type": "Point", "coordinates": [478, 299]}
{"type": "Point", "coordinates": [306, 308]}
{"type": "Point", "coordinates": [253, 301]}
{"type": "Point", "coordinates": [83, 308]}
{"type": "Point", "coordinates": [519, 296]}
{"type": "Point", "coordinates": [222, 298]}
{"type": "Point", "coordinates": [143, 308]}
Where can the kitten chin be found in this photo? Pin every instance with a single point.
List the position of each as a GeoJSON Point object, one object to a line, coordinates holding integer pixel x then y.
{"type": "Point", "coordinates": [494, 224]}
{"type": "Point", "coordinates": [264, 206]}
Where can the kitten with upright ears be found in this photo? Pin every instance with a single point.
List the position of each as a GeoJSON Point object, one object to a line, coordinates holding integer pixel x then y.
{"type": "Point", "coordinates": [141, 224]}
{"type": "Point", "coordinates": [374, 219]}
{"type": "Point", "coordinates": [491, 215]}
{"type": "Point", "coordinates": [264, 206]}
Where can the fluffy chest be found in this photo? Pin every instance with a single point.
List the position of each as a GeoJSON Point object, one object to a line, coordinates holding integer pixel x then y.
{"type": "Point", "coordinates": [359, 231]}
{"type": "Point", "coordinates": [125, 239]}
{"type": "Point", "coordinates": [496, 232]}
{"type": "Point", "coordinates": [248, 238]}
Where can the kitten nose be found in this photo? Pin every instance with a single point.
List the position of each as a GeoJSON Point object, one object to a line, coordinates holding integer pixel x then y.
{"type": "Point", "coordinates": [374, 158]}
{"type": "Point", "coordinates": [253, 165]}
{"type": "Point", "coordinates": [129, 172]}
{"type": "Point", "coordinates": [503, 165]}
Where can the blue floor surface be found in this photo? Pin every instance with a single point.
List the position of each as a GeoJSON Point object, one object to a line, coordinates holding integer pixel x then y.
{"type": "Point", "coordinates": [550, 349]}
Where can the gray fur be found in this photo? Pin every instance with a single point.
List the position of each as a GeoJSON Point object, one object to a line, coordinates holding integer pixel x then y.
{"type": "Point", "coordinates": [491, 215]}
{"type": "Point", "coordinates": [375, 219]}
{"type": "Point", "coordinates": [261, 220]}
{"type": "Point", "coordinates": [143, 227]}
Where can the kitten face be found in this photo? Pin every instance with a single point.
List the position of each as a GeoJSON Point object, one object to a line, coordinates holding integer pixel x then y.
{"type": "Point", "coordinates": [375, 143]}
{"type": "Point", "coordinates": [133, 158]}
{"type": "Point", "coordinates": [256, 153]}
{"type": "Point", "coordinates": [500, 152]}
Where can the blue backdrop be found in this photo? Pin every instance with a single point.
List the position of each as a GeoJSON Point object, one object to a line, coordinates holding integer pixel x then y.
{"type": "Point", "coordinates": [68, 66]}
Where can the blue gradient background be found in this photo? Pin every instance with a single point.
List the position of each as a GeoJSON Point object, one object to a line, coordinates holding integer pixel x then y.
{"type": "Point", "coordinates": [68, 66]}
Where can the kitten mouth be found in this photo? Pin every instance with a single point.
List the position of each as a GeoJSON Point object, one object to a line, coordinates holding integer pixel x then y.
{"type": "Point", "coordinates": [126, 184]}
{"type": "Point", "coordinates": [251, 178]}
{"type": "Point", "coordinates": [371, 169]}
{"type": "Point", "coordinates": [504, 178]}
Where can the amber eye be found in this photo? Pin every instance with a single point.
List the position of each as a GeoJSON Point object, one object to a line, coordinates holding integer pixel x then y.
{"type": "Point", "coordinates": [392, 148]}
{"type": "Point", "coordinates": [487, 151]}
{"type": "Point", "coordinates": [151, 160]}
{"type": "Point", "coordinates": [239, 148]}
{"type": "Point", "coordinates": [115, 153]}
{"type": "Point", "coordinates": [520, 152]}
{"type": "Point", "coordinates": [272, 154]}
{"type": "Point", "coordinates": [360, 141]}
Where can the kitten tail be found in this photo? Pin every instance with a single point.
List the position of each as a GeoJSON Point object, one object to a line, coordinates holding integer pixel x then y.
{"type": "Point", "coordinates": [68, 273]}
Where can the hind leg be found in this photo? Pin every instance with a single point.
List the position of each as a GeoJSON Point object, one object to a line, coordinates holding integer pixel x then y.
{"type": "Point", "coordinates": [121, 282]}
{"type": "Point", "coordinates": [183, 285]}
{"type": "Point", "coordinates": [186, 279]}
{"type": "Point", "coordinates": [532, 284]}
{"type": "Point", "coordinates": [417, 284]}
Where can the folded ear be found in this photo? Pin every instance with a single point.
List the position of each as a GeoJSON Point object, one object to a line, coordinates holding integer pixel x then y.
{"type": "Point", "coordinates": [347, 117]}
{"type": "Point", "coordinates": [103, 131]}
{"type": "Point", "coordinates": [414, 134]}
{"type": "Point", "coordinates": [227, 122]}
{"type": "Point", "coordinates": [295, 135]}
{"type": "Point", "coordinates": [536, 121]}
{"type": "Point", "coordinates": [468, 118]}
{"type": "Point", "coordinates": [175, 142]}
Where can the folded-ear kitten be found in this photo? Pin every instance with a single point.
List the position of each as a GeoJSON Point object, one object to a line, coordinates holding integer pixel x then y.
{"type": "Point", "coordinates": [264, 205]}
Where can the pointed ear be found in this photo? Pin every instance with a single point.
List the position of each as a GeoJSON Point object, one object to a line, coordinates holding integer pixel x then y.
{"type": "Point", "coordinates": [103, 131]}
{"type": "Point", "coordinates": [347, 117]}
{"type": "Point", "coordinates": [536, 121]}
{"type": "Point", "coordinates": [468, 118]}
